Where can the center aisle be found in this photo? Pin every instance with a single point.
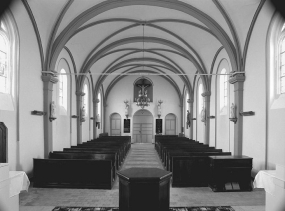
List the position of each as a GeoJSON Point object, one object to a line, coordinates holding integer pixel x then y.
{"type": "Point", "coordinates": [142, 155]}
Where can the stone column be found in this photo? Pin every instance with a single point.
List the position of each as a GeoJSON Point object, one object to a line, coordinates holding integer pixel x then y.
{"type": "Point", "coordinates": [191, 101]}
{"type": "Point", "coordinates": [79, 96]}
{"type": "Point", "coordinates": [207, 96]}
{"type": "Point", "coordinates": [49, 80]}
{"type": "Point", "coordinates": [238, 80]}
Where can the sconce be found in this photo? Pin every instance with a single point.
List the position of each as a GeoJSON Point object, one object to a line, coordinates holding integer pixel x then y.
{"type": "Point", "coordinates": [247, 113]}
{"type": "Point", "coordinates": [52, 112]}
{"type": "Point", "coordinates": [38, 113]}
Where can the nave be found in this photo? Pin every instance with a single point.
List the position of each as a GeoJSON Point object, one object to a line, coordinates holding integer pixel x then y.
{"type": "Point", "coordinates": [140, 155]}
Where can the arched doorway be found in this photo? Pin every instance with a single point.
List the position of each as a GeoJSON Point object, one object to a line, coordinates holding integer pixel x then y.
{"type": "Point", "coordinates": [143, 126]}
{"type": "Point", "coordinates": [115, 128]}
{"type": "Point", "coordinates": [170, 124]}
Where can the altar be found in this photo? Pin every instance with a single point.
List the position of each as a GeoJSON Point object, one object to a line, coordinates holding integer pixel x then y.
{"type": "Point", "coordinates": [273, 182]}
{"type": "Point", "coordinates": [11, 184]}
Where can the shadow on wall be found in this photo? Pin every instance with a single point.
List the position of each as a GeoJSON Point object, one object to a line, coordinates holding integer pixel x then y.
{"type": "Point", "coordinates": [279, 6]}
{"type": "Point", "coordinates": [4, 4]}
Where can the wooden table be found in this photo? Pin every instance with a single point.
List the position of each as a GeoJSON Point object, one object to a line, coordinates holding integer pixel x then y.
{"type": "Point", "coordinates": [230, 173]}
{"type": "Point", "coordinates": [143, 189]}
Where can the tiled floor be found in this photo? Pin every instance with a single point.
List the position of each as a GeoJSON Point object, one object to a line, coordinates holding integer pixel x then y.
{"type": "Point", "coordinates": [140, 155]}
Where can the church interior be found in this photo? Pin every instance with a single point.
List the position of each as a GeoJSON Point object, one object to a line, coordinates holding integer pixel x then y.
{"type": "Point", "coordinates": [208, 72]}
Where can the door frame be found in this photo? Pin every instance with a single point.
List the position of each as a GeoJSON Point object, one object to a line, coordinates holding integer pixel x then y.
{"type": "Point", "coordinates": [152, 138]}
{"type": "Point", "coordinates": [175, 123]}
{"type": "Point", "coordinates": [111, 123]}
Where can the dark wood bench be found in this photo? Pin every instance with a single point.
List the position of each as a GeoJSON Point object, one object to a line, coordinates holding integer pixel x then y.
{"type": "Point", "coordinates": [192, 170]}
{"type": "Point", "coordinates": [91, 156]}
{"type": "Point", "coordinates": [73, 173]}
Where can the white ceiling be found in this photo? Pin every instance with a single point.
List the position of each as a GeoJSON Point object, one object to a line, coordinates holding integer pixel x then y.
{"type": "Point", "coordinates": [196, 36]}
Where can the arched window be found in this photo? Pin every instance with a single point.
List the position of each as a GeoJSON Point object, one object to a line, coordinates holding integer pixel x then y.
{"type": "Point", "coordinates": [85, 99]}
{"type": "Point", "coordinates": [4, 61]}
{"type": "Point", "coordinates": [223, 90]}
{"type": "Point", "coordinates": [281, 66]}
{"type": "Point", "coordinates": [63, 89]}
{"type": "Point", "coordinates": [200, 97]}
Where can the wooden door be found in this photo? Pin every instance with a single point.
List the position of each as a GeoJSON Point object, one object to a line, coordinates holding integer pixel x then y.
{"type": "Point", "coordinates": [170, 124]}
{"type": "Point", "coordinates": [115, 125]}
{"type": "Point", "coordinates": [3, 143]}
{"type": "Point", "coordinates": [143, 127]}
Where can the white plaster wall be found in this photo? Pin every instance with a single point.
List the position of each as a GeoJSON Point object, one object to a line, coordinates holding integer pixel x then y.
{"type": "Point", "coordinates": [61, 126]}
{"type": "Point", "coordinates": [31, 142]}
{"type": "Point", "coordinates": [254, 127]}
{"type": "Point", "coordinates": [162, 90]}
{"type": "Point", "coordinates": [200, 126]}
{"type": "Point", "coordinates": [86, 125]}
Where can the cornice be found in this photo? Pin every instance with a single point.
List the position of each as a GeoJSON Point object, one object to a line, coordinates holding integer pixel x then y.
{"type": "Point", "coordinates": [240, 77]}
{"type": "Point", "coordinates": [79, 93]}
{"type": "Point", "coordinates": [207, 93]}
{"type": "Point", "coordinates": [49, 78]}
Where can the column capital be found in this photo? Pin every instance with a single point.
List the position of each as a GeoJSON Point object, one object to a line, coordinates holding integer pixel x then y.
{"type": "Point", "coordinates": [190, 101]}
{"type": "Point", "coordinates": [236, 77]}
{"type": "Point", "coordinates": [96, 101]}
{"type": "Point", "coordinates": [78, 93]}
{"type": "Point", "coordinates": [49, 78]}
{"type": "Point", "coordinates": [207, 93]}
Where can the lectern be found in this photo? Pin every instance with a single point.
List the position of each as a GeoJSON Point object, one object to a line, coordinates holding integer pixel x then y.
{"type": "Point", "coordinates": [143, 189]}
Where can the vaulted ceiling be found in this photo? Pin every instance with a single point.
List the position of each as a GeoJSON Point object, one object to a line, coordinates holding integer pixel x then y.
{"type": "Point", "coordinates": [172, 38]}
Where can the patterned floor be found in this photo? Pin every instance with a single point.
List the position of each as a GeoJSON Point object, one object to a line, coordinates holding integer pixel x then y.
{"type": "Point", "coordinates": [140, 155]}
{"type": "Point", "coordinates": [170, 209]}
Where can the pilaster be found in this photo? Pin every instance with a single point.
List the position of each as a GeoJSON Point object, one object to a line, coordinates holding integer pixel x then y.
{"type": "Point", "coordinates": [49, 80]}
{"type": "Point", "coordinates": [238, 81]}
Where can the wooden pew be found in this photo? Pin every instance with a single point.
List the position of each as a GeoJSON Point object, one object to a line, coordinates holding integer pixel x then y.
{"type": "Point", "coordinates": [192, 170]}
{"type": "Point", "coordinates": [91, 156]}
{"type": "Point", "coordinates": [73, 173]}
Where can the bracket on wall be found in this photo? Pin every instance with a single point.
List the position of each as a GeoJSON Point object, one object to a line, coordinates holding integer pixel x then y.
{"type": "Point", "coordinates": [74, 116]}
{"type": "Point", "coordinates": [38, 113]}
{"type": "Point", "coordinates": [247, 113]}
{"type": "Point", "coordinates": [233, 120]}
{"type": "Point", "coordinates": [211, 117]}
{"type": "Point", "coordinates": [193, 118]}
{"type": "Point", "coordinates": [92, 118]}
